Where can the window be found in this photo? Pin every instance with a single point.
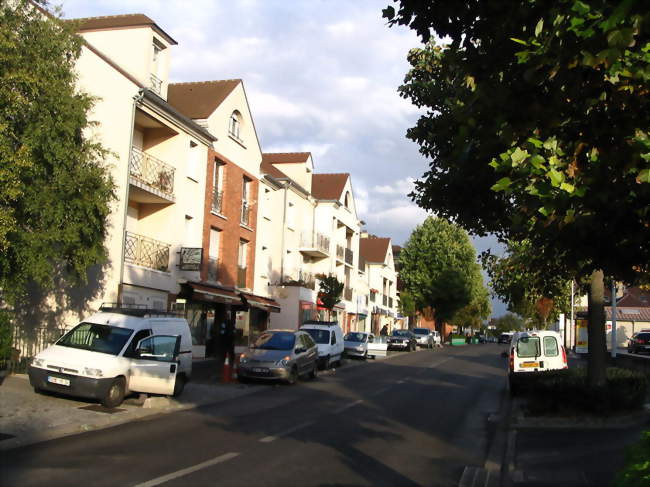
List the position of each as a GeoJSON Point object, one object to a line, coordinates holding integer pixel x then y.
{"type": "Point", "coordinates": [333, 342]}
{"type": "Point", "coordinates": [245, 201]}
{"type": "Point", "coordinates": [213, 254]}
{"type": "Point", "coordinates": [130, 350]}
{"type": "Point", "coordinates": [241, 263]}
{"type": "Point", "coordinates": [218, 186]}
{"type": "Point", "coordinates": [528, 347]}
{"type": "Point", "coordinates": [234, 125]}
{"type": "Point", "coordinates": [550, 347]}
{"type": "Point", "coordinates": [162, 348]}
{"type": "Point", "coordinates": [347, 199]}
{"type": "Point", "coordinates": [193, 157]}
{"type": "Point", "coordinates": [96, 338]}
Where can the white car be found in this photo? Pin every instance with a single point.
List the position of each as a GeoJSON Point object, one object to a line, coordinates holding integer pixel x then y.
{"type": "Point", "coordinates": [329, 338]}
{"type": "Point", "coordinates": [116, 351]}
{"type": "Point", "coordinates": [356, 343]}
{"type": "Point", "coordinates": [377, 346]}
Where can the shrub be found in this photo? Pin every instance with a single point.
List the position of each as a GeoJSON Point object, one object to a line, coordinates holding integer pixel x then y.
{"type": "Point", "coordinates": [637, 464]}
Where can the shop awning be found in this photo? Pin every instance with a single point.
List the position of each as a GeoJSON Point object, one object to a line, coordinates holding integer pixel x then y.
{"type": "Point", "coordinates": [209, 294]}
{"type": "Point", "coordinates": [263, 303]}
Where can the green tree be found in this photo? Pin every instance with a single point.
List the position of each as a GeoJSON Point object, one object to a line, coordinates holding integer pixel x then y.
{"type": "Point", "coordinates": [439, 269]}
{"type": "Point", "coordinates": [477, 311]}
{"type": "Point", "coordinates": [508, 322]}
{"type": "Point", "coordinates": [330, 291]}
{"type": "Point", "coordinates": [537, 127]}
{"type": "Point", "coordinates": [54, 189]}
{"type": "Point", "coordinates": [407, 307]}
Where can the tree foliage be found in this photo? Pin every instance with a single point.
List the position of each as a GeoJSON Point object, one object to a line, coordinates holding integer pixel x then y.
{"type": "Point", "coordinates": [508, 322]}
{"type": "Point", "coordinates": [330, 291]}
{"type": "Point", "coordinates": [439, 269]}
{"type": "Point", "coordinates": [477, 311]}
{"type": "Point", "coordinates": [54, 190]}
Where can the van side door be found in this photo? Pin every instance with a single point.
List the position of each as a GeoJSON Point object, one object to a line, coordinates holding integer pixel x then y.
{"type": "Point", "coordinates": [156, 364]}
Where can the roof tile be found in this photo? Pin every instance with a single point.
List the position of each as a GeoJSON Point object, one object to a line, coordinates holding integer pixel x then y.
{"type": "Point", "coordinates": [328, 186]}
{"type": "Point", "coordinates": [374, 249]}
{"type": "Point", "coordinates": [199, 99]}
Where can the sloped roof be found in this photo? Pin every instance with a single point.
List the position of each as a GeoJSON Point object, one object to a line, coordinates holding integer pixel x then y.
{"type": "Point", "coordinates": [119, 21]}
{"type": "Point", "coordinates": [374, 249]}
{"type": "Point", "coordinates": [285, 157]}
{"type": "Point", "coordinates": [626, 313]}
{"type": "Point", "coordinates": [271, 170]}
{"type": "Point", "coordinates": [199, 99]}
{"type": "Point", "coordinates": [328, 186]}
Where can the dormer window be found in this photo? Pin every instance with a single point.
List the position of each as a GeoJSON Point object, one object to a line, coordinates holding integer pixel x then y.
{"type": "Point", "coordinates": [155, 83]}
{"type": "Point", "coordinates": [347, 200]}
{"type": "Point", "coordinates": [234, 125]}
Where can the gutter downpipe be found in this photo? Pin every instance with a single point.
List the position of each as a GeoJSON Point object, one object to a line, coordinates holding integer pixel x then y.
{"type": "Point", "coordinates": [136, 100]}
{"type": "Point", "coordinates": [284, 222]}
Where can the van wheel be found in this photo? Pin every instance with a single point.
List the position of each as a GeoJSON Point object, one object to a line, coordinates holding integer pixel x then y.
{"type": "Point", "coordinates": [293, 377]}
{"type": "Point", "coordinates": [179, 385]}
{"type": "Point", "coordinates": [115, 393]}
{"type": "Point", "coordinates": [326, 363]}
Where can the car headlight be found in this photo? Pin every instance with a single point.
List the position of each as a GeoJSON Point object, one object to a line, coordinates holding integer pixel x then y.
{"type": "Point", "coordinates": [38, 362]}
{"type": "Point", "coordinates": [360, 348]}
{"type": "Point", "coordinates": [243, 359]}
{"type": "Point", "coordinates": [283, 362]}
{"type": "Point", "coordinates": [93, 372]}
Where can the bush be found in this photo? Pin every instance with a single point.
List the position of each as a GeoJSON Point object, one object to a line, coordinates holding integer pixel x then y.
{"type": "Point", "coordinates": [637, 465]}
{"type": "Point", "coordinates": [567, 391]}
{"type": "Point", "coordinates": [5, 337]}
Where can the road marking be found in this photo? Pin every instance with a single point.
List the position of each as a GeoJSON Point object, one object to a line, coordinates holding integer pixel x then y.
{"type": "Point", "coordinates": [433, 366]}
{"type": "Point", "coordinates": [269, 439]}
{"type": "Point", "coordinates": [380, 391]}
{"type": "Point", "coordinates": [186, 471]}
{"type": "Point", "coordinates": [400, 381]}
{"type": "Point", "coordinates": [347, 406]}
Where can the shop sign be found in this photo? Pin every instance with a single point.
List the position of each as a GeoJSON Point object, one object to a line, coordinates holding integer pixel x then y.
{"type": "Point", "coordinates": [191, 258]}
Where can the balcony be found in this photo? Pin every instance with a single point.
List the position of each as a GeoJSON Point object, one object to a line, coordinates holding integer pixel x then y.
{"type": "Point", "coordinates": [245, 213]}
{"type": "Point", "coordinates": [147, 252]}
{"type": "Point", "coordinates": [217, 201]}
{"type": "Point", "coordinates": [151, 178]}
{"type": "Point", "coordinates": [340, 253]}
{"type": "Point", "coordinates": [300, 278]}
{"type": "Point", "coordinates": [349, 256]}
{"type": "Point", "coordinates": [384, 300]}
{"type": "Point", "coordinates": [316, 245]}
{"type": "Point", "coordinates": [347, 294]}
{"type": "Point", "coordinates": [155, 84]}
{"type": "Point", "coordinates": [241, 277]}
{"type": "Point", "coordinates": [213, 268]}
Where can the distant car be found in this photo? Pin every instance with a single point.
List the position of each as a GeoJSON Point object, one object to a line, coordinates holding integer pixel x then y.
{"type": "Point", "coordinates": [639, 343]}
{"type": "Point", "coordinates": [356, 344]}
{"type": "Point", "coordinates": [505, 337]}
{"type": "Point", "coordinates": [282, 355]}
{"type": "Point", "coordinates": [424, 337]}
{"type": "Point", "coordinates": [402, 340]}
{"type": "Point", "coordinates": [481, 338]}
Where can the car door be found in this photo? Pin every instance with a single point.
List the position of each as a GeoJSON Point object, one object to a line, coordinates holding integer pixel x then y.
{"type": "Point", "coordinates": [311, 353]}
{"type": "Point", "coordinates": [155, 368]}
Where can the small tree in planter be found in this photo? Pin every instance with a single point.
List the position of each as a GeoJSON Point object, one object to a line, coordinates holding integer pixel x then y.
{"type": "Point", "coordinates": [329, 292]}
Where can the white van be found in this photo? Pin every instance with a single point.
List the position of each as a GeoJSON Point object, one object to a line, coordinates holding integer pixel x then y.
{"type": "Point", "coordinates": [328, 335]}
{"type": "Point", "coordinates": [114, 352]}
{"type": "Point", "coordinates": [536, 351]}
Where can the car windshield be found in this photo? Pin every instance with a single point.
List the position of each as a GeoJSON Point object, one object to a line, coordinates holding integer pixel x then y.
{"type": "Point", "coordinates": [400, 333]}
{"type": "Point", "coordinates": [421, 331]}
{"type": "Point", "coordinates": [355, 337]}
{"type": "Point", "coordinates": [643, 336]}
{"type": "Point", "coordinates": [96, 338]}
{"type": "Point", "coordinates": [319, 336]}
{"type": "Point", "coordinates": [283, 340]}
{"type": "Point", "coordinates": [528, 347]}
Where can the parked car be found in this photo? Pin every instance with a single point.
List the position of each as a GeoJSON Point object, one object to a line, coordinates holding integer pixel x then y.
{"type": "Point", "coordinates": [356, 343]}
{"type": "Point", "coordinates": [402, 340]}
{"type": "Point", "coordinates": [377, 346]}
{"type": "Point", "coordinates": [505, 337]}
{"type": "Point", "coordinates": [116, 351]}
{"type": "Point", "coordinates": [280, 355]}
{"type": "Point", "coordinates": [329, 338]}
{"type": "Point", "coordinates": [535, 351]}
{"type": "Point", "coordinates": [424, 337]}
{"type": "Point", "coordinates": [639, 343]}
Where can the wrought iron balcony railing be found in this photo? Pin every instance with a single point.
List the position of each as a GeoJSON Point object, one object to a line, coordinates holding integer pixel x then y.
{"type": "Point", "coordinates": [349, 256]}
{"type": "Point", "coordinates": [217, 201]}
{"type": "Point", "coordinates": [151, 171]}
{"type": "Point", "coordinates": [245, 213]}
{"type": "Point", "coordinates": [213, 269]}
{"type": "Point", "coordinates": [146, 252]}
{"type": "Point", "coordinates": [241, 277]}
{"type": "Point", "coordinates": [347, 294]}
{"type": "Point", "coordinates": [155, 84]}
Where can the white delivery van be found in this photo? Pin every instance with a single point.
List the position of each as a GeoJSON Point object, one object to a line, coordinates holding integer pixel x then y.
{"type": "Point", "coordinates": [328, 335]}
{"type": "Point", "coordinates": [535, 351]}
{"type": "Point", "coordinates": [116, 351]}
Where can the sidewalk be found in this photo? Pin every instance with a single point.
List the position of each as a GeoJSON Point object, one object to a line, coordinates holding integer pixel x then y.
{"type": "Point", "coordinates": [27, 417]}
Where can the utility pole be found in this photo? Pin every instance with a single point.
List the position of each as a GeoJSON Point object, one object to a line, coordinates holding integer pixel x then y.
{"type": "Point", "coordinates": [613, 308]}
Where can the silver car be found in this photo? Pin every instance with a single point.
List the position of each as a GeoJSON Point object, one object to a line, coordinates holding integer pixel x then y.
{"type": "Point", "coordinates": [356, 344]}
{"type": "Point", "coordinates": [424, 337]}
{"type": "Point", "coordinates": [280, 355]}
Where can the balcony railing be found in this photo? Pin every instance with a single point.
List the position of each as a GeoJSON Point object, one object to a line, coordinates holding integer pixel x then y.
{"type": "Point", "coordinates": [315, 241]}
{"type": "Point", "coordinates": [217, 201]}
{"type": "Point", "coordinates": [300, 278]}
{"type": "Point", "coordinates": [245, 213]}
{"type": "Point", "coordinates": [349, 256]}
{"type": "Point", "coordinates": [340, 252]}
{"type": "Point", "coordinates": [241, 277]}
{"type": "Point", "coordinates": [347, 294]}
{"type": "Point", "coordinates": [146, 252]}
{"type": "Point", "coordinates": [155, 84]}
{"type": "Point", "coordinates": [213, 268]}
{"type": "Point", "coordinates": [384, 300]}
{"type": "Point", "coordinates": [151, 171]}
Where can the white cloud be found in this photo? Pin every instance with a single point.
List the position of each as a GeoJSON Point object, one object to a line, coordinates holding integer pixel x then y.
{"type": "Point", "coordinates": [402, 187]}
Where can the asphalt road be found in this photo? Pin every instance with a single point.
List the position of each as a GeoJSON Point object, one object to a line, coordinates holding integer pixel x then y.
{"type": "Point", "coordinates": [415, 419]}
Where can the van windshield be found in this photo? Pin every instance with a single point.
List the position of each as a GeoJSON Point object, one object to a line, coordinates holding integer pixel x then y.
{"type": "Point", "coordinates": [319, 336]}
{"type": "Point", "coordinates": [96, 338]}
{"type": "Point", "coordinates": [528, 347]}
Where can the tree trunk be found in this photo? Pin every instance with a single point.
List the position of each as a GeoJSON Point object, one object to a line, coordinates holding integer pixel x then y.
{"type": "Point", "coordinates": [596, 331]}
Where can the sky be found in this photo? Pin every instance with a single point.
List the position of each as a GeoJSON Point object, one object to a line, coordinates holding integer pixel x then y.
{"type": "Point", "coordinates": [321, 76]}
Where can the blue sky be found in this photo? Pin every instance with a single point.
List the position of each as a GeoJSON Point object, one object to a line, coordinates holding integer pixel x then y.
{"type": "Point", "coordinates": [320, 75]}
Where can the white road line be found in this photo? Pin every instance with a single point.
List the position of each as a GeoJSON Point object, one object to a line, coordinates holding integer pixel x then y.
{"type": "Point", "coordinates": [400, 382]}
{"type": "Point", "coordinates": [347, 406]}
{"type": "Point", "coordinates": [433, 366]}
{"type": "Point", "coordinates": [380, 391]}
{"type": "Point", "coordinates": [269, 439]}
{"type": "Point", "coordinates": [186, 471]}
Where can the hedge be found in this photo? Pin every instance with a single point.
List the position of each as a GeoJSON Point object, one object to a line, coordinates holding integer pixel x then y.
{"type": "Point", "coordinates": [637, 464]}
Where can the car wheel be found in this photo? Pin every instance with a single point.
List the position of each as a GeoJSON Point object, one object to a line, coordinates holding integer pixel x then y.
{"type": "Point", "coordinates": [179, 385]}
{"type": "Point", "coordinates": [328, 364]}
{"type": "Point", "coordinates": [115, 393]}
{"type": "Point", "coordinates": [314, 372]}
{"type": "Point", "coordinates": [365, 356]}
{"type": "Point", "coordinates": [293, 376]}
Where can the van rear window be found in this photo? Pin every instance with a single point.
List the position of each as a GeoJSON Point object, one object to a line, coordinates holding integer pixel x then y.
{"type": "Point", "coordinates": [550, 347]}
{"type": "Point", "coordinates": [528, 347]}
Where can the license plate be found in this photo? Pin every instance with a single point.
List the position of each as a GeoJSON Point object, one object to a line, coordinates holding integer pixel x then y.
{"type": "Point", "coordinates": [530, 364]}
{"type": "Point", "coordinates": [260, 369]}
{"type": "Point", "coordinates": [57, 380]}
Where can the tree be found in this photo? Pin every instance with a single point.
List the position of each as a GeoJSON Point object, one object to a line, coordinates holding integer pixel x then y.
{"type": "Point", "coordinates": [508, 322]}
{"type": "Point", "coordinates": [330, 291]}
{"type": "Point", "coordinates": [406, 306]}
{"type": "Point", "coordinates": [54, 190]}
{"type": "Point", "coordinates": [439, 269]}
{"type": "Point", "coordinates": [536, 123]}
{"type": "Point", "coordinates": [479, 308]}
